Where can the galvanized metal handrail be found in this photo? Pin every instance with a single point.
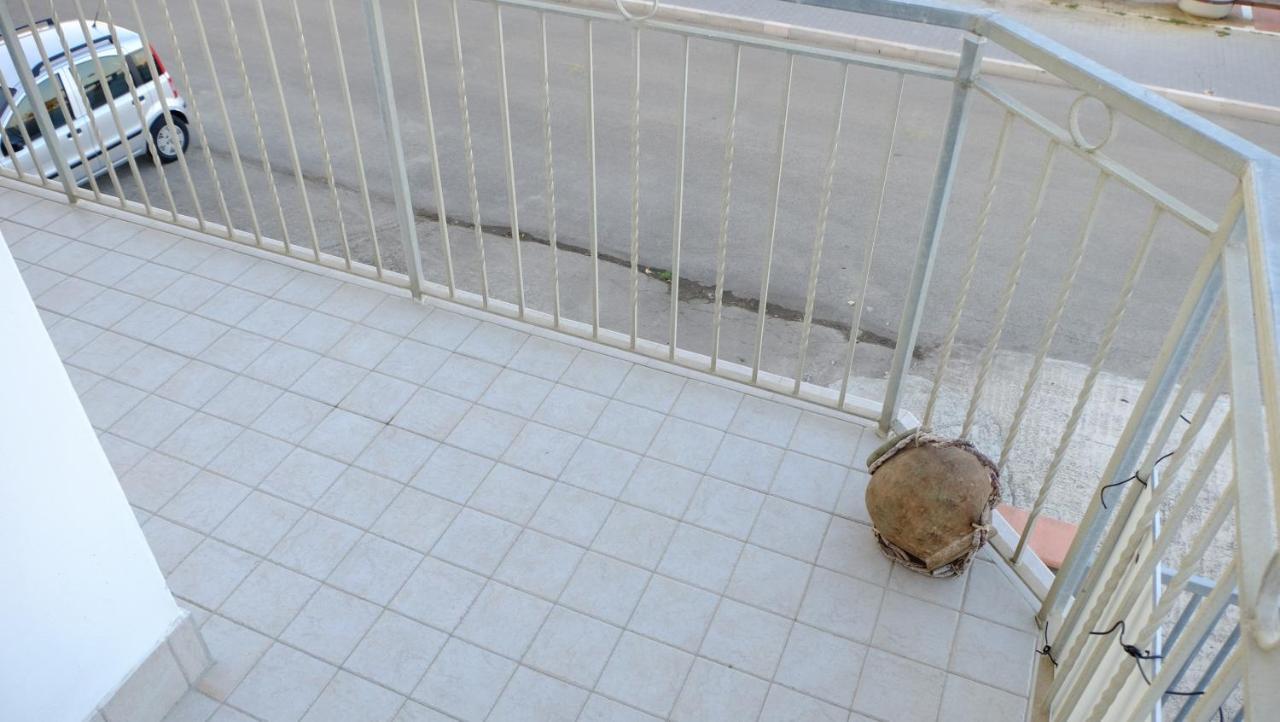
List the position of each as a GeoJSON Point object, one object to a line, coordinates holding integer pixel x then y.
{"type": "Point", "coordinates": [1236, 286]}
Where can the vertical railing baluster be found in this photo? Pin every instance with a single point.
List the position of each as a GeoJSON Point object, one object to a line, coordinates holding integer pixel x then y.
{"type": "Point", "coordinates": [22, 133]}
{"type": "Point", "coordinates": [634, 271]}
{"type": "Point", "coordinates": [988, 356]}
{"type": "Point", "coordinates": [509, 153]}
{"type": "Point", "coordinates": [233, 146]}
{"type": "Point", "coordinates": [468, 151]}
{"type": "Point", "coordinates": [970, 267]}
{"type": "Point", "coordinates": [395, 145]}
{"type": "Point", "coordinates": [197, 121]}
{"type": "Point", "coordinates": [127, 69]}
{"type": "Point", "coordinates": [1051, 325]}
{"type": "Point", "coordinates": [677, 223]}
{"type": "Point", "coordinates": [253, 106]}
{"type": "Point", "coordinates": [49, 133]}
{"type": "Point", "coordinates": [287, 124]}
{"type": "Point", "coordinates": [869, 251]}
{"type": "Point", "coordinates": [1188, 325]}
{"type": "Point", "coordinates": [309, 78]}
{"type": "Point", "coordinates": [91, 116]}
{"type": "Point", "coordinates": [592, 206]}
{"type": "Point", "coordinates": [763, 304]}
{"type": "Point", "coordinates": [362, 179]}
{"type": "Point", "coordinates": [1086, 388]}
{"type": "Point", "coordinates": [820, 234]}
{"type": "Point", "coordinates": [726, 191]}
{"type": "Point", "coordinates": [931, 235]}
{"type": "Point", "coordinates": [548, 170]}
{"type": "Point", "coordinates": [442, 217]}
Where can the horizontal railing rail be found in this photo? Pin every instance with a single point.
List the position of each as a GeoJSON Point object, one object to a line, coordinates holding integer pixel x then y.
{"type": "Point", "coordinates": [916, 244]}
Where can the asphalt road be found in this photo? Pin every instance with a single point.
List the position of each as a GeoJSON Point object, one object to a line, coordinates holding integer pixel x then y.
{"type": "Point", "coordinates": [268, 171]}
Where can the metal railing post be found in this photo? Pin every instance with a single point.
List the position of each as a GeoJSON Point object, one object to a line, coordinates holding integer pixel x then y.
{"type": "Point", "coordinates": [1191, 321]}
{"type": "Point", "coordinates": [395, 152]}
{"type": "Point", "coordinates": [45, 123]}
{"type": "Point", "coordinates": [909, 326]}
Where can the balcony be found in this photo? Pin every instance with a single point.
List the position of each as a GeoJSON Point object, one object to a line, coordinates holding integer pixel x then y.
{"type": "Point", "coordinates": [548, 394]}
{"type": "Point", "coordinates": [370, 503]}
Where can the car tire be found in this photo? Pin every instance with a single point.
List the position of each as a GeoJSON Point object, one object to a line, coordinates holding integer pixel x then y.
{"type": "Point", "coordinates": [164, 144]}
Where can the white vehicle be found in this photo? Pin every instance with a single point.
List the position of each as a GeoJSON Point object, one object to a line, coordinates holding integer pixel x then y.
{"type": "Point", "coordinates": [75, 84]}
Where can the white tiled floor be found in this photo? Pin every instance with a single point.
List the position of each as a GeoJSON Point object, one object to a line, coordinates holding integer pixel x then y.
{"type": "Point", "coordinates": [381, 510]}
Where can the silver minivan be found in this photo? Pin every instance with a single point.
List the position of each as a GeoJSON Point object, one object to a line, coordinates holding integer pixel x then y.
{"type": "Point", "coordinates": [74, 84]}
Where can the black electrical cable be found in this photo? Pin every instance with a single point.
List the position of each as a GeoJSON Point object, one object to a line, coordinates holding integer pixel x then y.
{"type": "Point", "coordinates": [1135, 477]}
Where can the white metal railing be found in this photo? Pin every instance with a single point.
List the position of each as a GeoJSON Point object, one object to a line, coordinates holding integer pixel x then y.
{"type": "Point", "coordinates": [572, 134]}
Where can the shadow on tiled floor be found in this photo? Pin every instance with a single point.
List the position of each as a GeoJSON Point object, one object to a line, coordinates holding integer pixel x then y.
{"type": "Point", "coordinates": [383, 510]}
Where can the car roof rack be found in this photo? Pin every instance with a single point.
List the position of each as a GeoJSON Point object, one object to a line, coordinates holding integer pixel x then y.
{"type": "Point", "coordinates": [42, 23]}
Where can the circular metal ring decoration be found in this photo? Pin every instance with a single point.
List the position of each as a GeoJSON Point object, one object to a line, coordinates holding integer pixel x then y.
{"type": "Point", "coordinates": [648, 13]}
{"type": "Point", "coordinates": [1073, 124]}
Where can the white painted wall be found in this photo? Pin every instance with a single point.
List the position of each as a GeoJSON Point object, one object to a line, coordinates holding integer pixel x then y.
{"type": "Point", "coordinates": [82, 601]}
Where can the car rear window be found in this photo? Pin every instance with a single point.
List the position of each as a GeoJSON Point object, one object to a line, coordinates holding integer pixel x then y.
{"type": "Point", "coordinates": [141, 70]}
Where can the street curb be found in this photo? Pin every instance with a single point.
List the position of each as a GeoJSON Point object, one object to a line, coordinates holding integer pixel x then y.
{"type": "Point", "coordinates": [1198, 102]}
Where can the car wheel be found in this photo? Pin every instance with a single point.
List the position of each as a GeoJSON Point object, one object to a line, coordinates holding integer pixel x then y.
{"type": "Point", "coordinates": [168, 141]}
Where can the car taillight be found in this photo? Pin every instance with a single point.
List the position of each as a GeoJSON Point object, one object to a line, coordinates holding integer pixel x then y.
{"type": "Point", "coordinates": [159, 64]}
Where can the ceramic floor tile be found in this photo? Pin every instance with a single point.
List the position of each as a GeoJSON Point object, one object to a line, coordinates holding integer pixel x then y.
{"type": "Point", "coordinates": [465, 680]}
{"type": "Point", "coordinates": [967, 701]}
{"type": "Point", "coordinates": [438, 594]}
{"type": "Point", "coordinates": [596, 373]}
{"type": "Point", "coordinates": [716, 693]}
{"type": "Point", "coordinates": [645, 673]}
{"type": "Point", "coordinates": [661, 487]}
{"type": "Point", "coordinates": [375, 569]}
{"type": "Point", "coordinates": [503, 619]}
{"type": "Point", "coordinates": [358, 497]}
{"type": "Point", "coordinates": [747, 462]}
{"type": "Point", "coordinates": [331, 624]}
{"type": "Point", "coordinates": [349, 698]}
{"type": "Point", "coordinates": [269, 598]}
{"type": "Point", "coordinates": [605, 588]}
{"type": "Point", "coordinates": [542, 449]}
{"type": "Point", "coordinates": [700, 557]}
{"type": "Point", "coordinates": [1008, 652]}
{"type": "Point", "coordinates": [315, 545]}
{"type": "Point", "coordinates": [746, 638]}
{"type": "Point", "coordinates": [896, 688]}
{"type": "Point", "coordinates": [235, 649]}
{"type": "Point", "coordinates": [675, 613]}
{"type": "Point", "coordinates": [534, 697]}
{"type": "Point", "coordinates": [416, 519]}
{"type": "Point", "coordinates": [570, 409]}
{"type": "Point", "coordinates": [840, 604]}
{"type": "Point", "coordinates": [396, 652]}
{"type": "Point", "coordinates": [787, 705]}
{"type": "Point", "coordinates": [476, 541]}
{"type": "Point", "coordinates": [769, 580]}
{"type": "Point", "coordinates": [396, 453]}
{"type": "Point", "coordinates": [706, 403]}
{"type": "Point", "coordinates": [210, 573]}
{"type": "Point", "coordinates": [452, 473]}
{"type": "Point", "coordinates": [539, 564]}
{"type": "Point", "coordinates": [600, 468]}
{"type": "Point", "coordinates": [572, 646]}
{"type": "Point", "coordinates": [821, 664]}
{"type": "Point", "coordinates": [283, 684]}
{"type": "Point", "coordinates": [259, 523]}
{"type": "Point", "coordinates": [916, 629]}
{"type": "Point", "coordinates": [635, 535]}
{"type": "Point", "coordinates": [543, 358]}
